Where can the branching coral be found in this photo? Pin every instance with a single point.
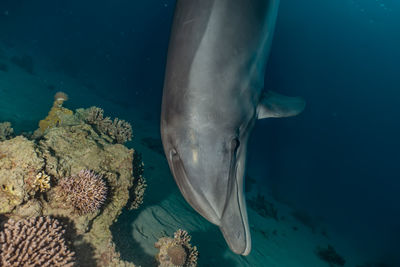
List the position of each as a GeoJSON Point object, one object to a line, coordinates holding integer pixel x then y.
{"type": "Point", "coordinates": [177, 251]}
{"type": "Point", "coordinates": [38, 241]}
{"type": "Point", "coordinates": [6, 132]}
{"type": "Point", "coordinates": [86, 191]}
{"type": "Point", "coordinates": [118, 130]}
{"type": "Point", "coordinates": [139, 187]}
{"type": "Point", "coordinates": [138, 194]}
{"type": "Point", "coordinates": [41, 182]}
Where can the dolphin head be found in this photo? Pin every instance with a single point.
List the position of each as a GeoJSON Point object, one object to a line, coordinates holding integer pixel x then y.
{"type": "Point", "coordinates": [208, 163]}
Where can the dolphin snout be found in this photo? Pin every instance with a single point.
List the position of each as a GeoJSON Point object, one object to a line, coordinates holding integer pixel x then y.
{"type": "Point", "coordinates": [218, 199]}
{"type": "Point", "coordinates": [195, 197]}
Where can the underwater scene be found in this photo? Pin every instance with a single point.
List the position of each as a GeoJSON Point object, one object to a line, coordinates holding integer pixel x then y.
{"type": "Point", "coordinates": [240, 133]}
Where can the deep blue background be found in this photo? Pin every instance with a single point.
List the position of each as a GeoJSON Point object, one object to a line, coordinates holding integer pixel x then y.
{"type": "Point", "coordinates": [338, 160]}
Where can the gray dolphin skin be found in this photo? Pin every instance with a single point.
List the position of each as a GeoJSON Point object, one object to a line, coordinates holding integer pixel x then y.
{"type": "Point", "coordinates": [213, 94]}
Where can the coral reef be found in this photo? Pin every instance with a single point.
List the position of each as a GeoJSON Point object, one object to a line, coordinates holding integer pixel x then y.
{"type": "Point", "coordinates": [137, 193]}
{"type": "Point", "coordinates": [33, 172]}
{"type": "Point", "coordinates": [37, 241]}
{"type": "Point", "coordinates": [6, 132]}
{"type": "Point", "coordinates": [177, 251]}
{"type": "Point", "coordinates": [330, 256]}
{"type": "Point", "coordinates": [56, 113]}
{"type": "Point", "coordinates": [85, 191]}
{"type": "Point", "coordinates": [60, 97]}
{"type": "Point", "coordinates": [19, 165]}
{"type": "Point", "coordinates": [118, 130]}
{"type": "Point", "coordinates": [41, 182]}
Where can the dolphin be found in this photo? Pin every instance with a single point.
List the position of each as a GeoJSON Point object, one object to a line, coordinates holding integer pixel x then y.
{"type": "Point", "coordinates": [212, 96]}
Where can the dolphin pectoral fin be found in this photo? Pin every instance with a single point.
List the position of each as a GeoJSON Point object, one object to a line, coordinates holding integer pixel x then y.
{"type": "Point", "coordinates": [274, 105]}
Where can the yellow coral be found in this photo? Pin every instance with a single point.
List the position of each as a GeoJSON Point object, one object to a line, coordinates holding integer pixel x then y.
{"type": "Point", "coordinates": [53, 118]}
{"type": "Point", "coordinates": [42, 182]}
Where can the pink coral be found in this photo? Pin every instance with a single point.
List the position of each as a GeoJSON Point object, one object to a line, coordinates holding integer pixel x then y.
{"type": "Point", "coordinates": [86, 191]}
{"type": "Point", "coordinates": [38, 241]}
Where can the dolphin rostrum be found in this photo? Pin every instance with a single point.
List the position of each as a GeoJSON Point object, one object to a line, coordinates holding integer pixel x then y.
{"type": "Point", "coordinates": [211, 99]}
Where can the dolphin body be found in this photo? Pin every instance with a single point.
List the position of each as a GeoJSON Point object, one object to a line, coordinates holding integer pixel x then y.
{"type": "Point", "coordinates": [213, 94]}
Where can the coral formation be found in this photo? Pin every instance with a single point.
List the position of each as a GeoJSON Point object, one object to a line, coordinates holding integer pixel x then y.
{"type": "Point", "coordinates": [26, 166]}
{"type": "Point", "coordinates": [41, 182]}
{"type": "Point", "coordinates": [95, 116]}
{"type": "Point", "coordinates": [330, 256]}
{"type": "Point", "coordinates": [138, 193]}
{"type": "Point", "coordinates": [54, 118]}
{"type": "Point", "coordinates": [140, 185]}
{"type": "Point", "coordinates": [177, 251]}
{"type": "Point", "coordinates": [118, 130]}
{"type": "Point", "coordinates": [60, 97]}
{"type": "Point", "coordinates": [37, 241]}
{"type": "Point", "coordinates": [85, 191]}
{"type": "Point", "coordinates": [19, 165]}
{"type": "Point", "coordinates": [6, 132]}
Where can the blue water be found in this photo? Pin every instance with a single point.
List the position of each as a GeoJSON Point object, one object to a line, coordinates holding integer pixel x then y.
{"type": "Point", "coordinates": [340, 158]}
{"type": "Point", "coordinates": [338, 161]}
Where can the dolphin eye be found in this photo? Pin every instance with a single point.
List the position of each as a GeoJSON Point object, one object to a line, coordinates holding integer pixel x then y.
{"type": "Point", "coordinates": [235, 144]}
{"type": "Point", "coordinates": [173, 152]}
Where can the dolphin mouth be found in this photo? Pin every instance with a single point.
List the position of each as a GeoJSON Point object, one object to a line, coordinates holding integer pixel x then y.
{"type": "Point", "coordinates": [234, 222]}
{"type": "Point", "coordinates": [191, 195]}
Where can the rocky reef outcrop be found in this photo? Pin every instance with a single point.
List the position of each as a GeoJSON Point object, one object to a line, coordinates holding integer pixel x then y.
{"type": "Point", "coordinates": [65, 146]}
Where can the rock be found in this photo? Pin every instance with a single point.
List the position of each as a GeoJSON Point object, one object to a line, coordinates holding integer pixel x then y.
{"type": "Point", "coordinates": [19, 164]}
